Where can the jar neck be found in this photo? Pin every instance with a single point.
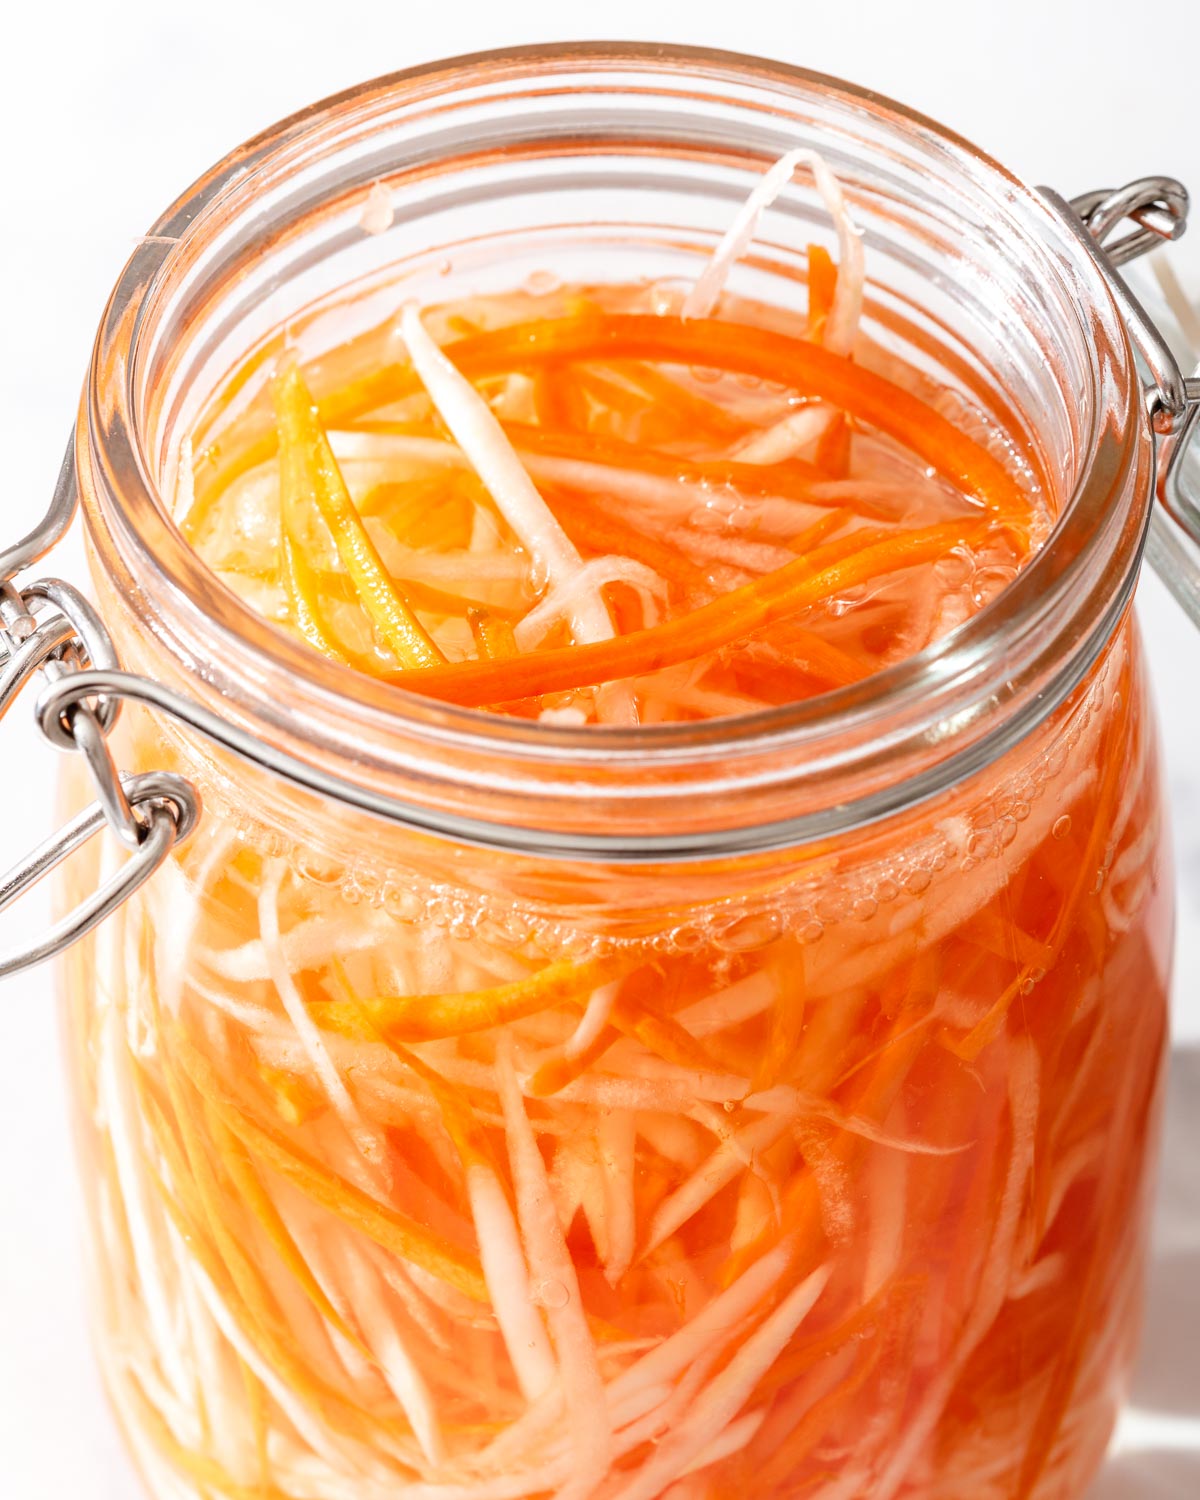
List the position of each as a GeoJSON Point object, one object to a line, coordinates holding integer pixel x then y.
{"type": "Point", "coordinates": [971, 278]}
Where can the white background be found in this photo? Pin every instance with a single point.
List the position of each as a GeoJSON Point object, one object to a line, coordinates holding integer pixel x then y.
{"type": "Point", "coordinates": [108, 110]}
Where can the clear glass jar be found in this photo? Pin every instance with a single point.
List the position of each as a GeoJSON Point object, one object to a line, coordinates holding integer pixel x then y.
{"type": "Point", "coordinates": [915, 933]}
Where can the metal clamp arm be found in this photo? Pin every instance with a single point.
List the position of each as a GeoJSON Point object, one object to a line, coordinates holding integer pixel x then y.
{"type": "Point", "coordinates": [49, 630]}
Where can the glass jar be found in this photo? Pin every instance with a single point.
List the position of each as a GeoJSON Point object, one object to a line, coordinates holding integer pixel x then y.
{"type": "Point", "coordinates": [803, 1137]}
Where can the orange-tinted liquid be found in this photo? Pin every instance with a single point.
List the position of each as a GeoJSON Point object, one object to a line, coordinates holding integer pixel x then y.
{"type": "Point", "coordinates": [832, 1185]}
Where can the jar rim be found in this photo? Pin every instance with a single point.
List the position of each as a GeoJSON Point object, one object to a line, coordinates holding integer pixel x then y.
{"type": "Point", "coordinates": [876, 716]}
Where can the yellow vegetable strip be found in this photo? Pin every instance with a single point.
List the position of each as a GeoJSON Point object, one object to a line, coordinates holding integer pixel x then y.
{"type": "Point", "coordinates": [306, 451]}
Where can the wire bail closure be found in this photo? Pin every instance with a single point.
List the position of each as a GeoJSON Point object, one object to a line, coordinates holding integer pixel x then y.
{"type": "Point", "coordinates": [48, 629]}
{"type": "Point", "coordinates": [1157, 207]}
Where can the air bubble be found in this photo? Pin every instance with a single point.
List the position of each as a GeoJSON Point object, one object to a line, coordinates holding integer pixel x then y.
{"type": "Point", "coordinates": [704, 376]}
{"type": "Point", "coordinates": [1062, 826]}
{"type": "Point", "coordinates": [310, 866]}
{"type": "Point", "coordinates": [754, 931]}
{"type": "Point", "coordinates": [864, 908]}
{"type": "Point", "coordinates": [810, 932]}
{"type": "Point", "coordinates": [917, 881]}
{"type": "Point", "coordinates": [990, 581]}
{"type": "Point", "coordinates": [542, 283]}
{"type": "Point", "coordinates": [551, 1294]}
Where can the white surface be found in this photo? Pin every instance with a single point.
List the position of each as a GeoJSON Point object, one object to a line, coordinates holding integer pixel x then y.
{"type": "Point", "coordinates": [108, 111]}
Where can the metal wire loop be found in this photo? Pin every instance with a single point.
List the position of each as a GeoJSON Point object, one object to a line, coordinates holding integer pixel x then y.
{"type": "Point", "coordinates": [1157, 205]}
{"type": "Point", "coordinates": [171, 809]}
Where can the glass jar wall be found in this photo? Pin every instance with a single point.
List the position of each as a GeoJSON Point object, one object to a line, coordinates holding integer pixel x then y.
{"type": "Point", "coordinates": [811, 1147]}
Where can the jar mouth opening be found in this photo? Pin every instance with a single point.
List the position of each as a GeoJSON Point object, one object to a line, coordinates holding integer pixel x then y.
{"type": "Point", "coordinates": [1071, 592]}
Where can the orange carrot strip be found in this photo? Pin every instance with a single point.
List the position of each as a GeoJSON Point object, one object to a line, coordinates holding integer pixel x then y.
{"type": "Point", "coordinates": [787, 478]}
{"type": "Point", "coordinates": [386, 1226]}
{"type": "Point", "coordinates": [833, 448]}
{"type": "Point", "coordinates": [494, 637]}
{"type": "Point", "coordinates": [761, 352]}
{"type": "Point", "coordinates": [593, 526]}
{"type": "Point", "coordinates": [425, 1018]}
{"type": "Point", "coordinates": [822, 287]}
{"type": "Point", "coordinates": [731, 618]}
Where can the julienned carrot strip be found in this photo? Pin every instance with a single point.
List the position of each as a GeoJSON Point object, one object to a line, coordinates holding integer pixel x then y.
{"type": "Point", "coordinates": [385, 1225]}
{"type": "Point", "coordinates": [786, 592]}
{"type": "Point", "coordinates": [788, 477]}
{"type": "Point", "coordinates": [236, 1161]}
{"type": "Point", "coordinates": [493, 636]}
{"type": "Point", "coordinates": [232, 1275]}
{"type": "Point", "coordinates": [307, 460]}
{"type": "Point", "coordinates": [668, 395]}
{"type": "Point", "coordinates": [988, 1028]}
{"type": "Point", "coordinates": [822, 287]}
{"type": "Point", "coordinates": [741, 349]}
{"type": "Point", "coordinates": [599, 530]}
{"type": "Point", "coordinates": [209, 1477]}
{"type": "Point", "coordinates": [833, 448]}
{"type": "Point", "coordinates": [424, 1018]}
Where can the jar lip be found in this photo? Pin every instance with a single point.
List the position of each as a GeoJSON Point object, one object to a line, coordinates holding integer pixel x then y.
{"type": "Point", "coordinates": [945, 670]}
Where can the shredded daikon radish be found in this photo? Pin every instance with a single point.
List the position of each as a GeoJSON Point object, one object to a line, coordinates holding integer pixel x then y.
{"type": "Point", "coordinates": [617, 1158]}
{"type": "Point", "coordinates": [708, 1329]}
{"type": "Point", "coordinates": [842, 324]}
{"type": "Point", "coordinates": [735, 1437]}
{"type": "Point", "coordinates": [730, 1007]}
{"type": "Point", "coordinates": [364, 1137]}
{"type": "Point", "coordinates": [550, 1261]}
{"type": "Point", "coordinates": [564, 600]}
{"type": "Point", "coordinates": [507, 1278]}
{"type": "Point", "coordinates": [594, 1019]}
{"type": "Point", "coordinates": [481, 437]}
{"type": "Point", "coordinates": [386, 1340]}
{"type": "Point", "coordinates": [789, 437]}
{"type": "Point", "coordinates": [718, 1405]}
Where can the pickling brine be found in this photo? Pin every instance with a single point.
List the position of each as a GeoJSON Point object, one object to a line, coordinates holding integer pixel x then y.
{"type": "Point", "coordinates": [418, 1171]}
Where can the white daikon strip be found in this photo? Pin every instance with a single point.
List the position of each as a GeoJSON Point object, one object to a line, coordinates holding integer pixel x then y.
{"type": "Point", "coordinates": [373, 447]}
{"type": "Point", "coordinates": [718, 1405]}
{"type": "Point", "coordinates": [507, 1278]}
{"type": "Point", "coordinates": [550, 1263]}
{"type": "Point", "coordinates": [564, 600]}
{"type": "Point", "coordinates": [790, 436]}
{"type": "Point", "coordinates": [710, 1177]}
{"type": "Point", "coordinates": [710, 1327]}
{"type": "Point", "coordinates": [364, 1137]}
{"type": "Point", "coordinates": [617, 1140]}
{"type": "Point", "coordinates": [729, 1007]}
{"type": "Point", "coordinates": [483, 440]}
{"type": "Point", "coordinates": [593, 1021]}
{"type": "Point", "coordinates": [735, 1437]}
{"type": "Point", "coordinates": [386, 1342]}
{"type": "Point", "coordinates": [794, 1101]}
{"type": "Point", "coordinates": [842, 323]}
{"type": "Point", "coordinates": [307, 943]}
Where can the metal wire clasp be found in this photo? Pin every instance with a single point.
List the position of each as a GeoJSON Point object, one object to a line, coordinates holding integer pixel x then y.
{"type": "Point", "coordinates": [49, 629]}
{"type": "Point", "coordinates": [1157, 210]}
